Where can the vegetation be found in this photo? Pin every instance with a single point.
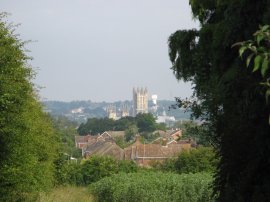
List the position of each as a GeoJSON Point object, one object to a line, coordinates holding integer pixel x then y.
{"type": "Point", "coordinates": [153, 186]}
{"type": "Point", "coordinates": [91, 170]}
{"type": "Point", "coordinates": [202, 159]}
{"type": "Point", "coordinates": [67, 193]}
{"type": "Point", "coordinates": [140, 123]}
{"type": "Point", "coordinates": [229, 97]}
{"type": "Point", "coordinates": [258, 51]}
{"type": "Point", "coordinates": [66, 131]}
{"type": "Point", "coordinates": [28, 141]}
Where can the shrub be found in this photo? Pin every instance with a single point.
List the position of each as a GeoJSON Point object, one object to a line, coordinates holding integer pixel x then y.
{"type": "Point", "coordinates": [98, 167]}
{"type": "Point", "coordinates": [197, 160]}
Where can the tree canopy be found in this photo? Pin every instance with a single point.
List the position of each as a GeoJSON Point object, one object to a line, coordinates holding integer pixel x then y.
{"type": "Point", "coordinates": [227, 95]}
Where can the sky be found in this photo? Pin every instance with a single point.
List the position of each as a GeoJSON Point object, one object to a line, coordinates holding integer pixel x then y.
{"type": "Point", "coordinates": [99, 50]}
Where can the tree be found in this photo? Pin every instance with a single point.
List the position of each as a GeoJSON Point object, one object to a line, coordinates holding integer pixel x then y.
{"type": "Point", "coordinates": [202, 159]}
{"type": "Point", "coordinates": [95, 126]}
{"type": "Point", "coordinates": [146, 122]}
{"type": "Point", "coordinates": [66, 131]}
{"type": "Point", "coordinates": [28, 142]}
{"type": "Point", "coordinates": [227, 96]}
{"type": "Point", "coordinates": [258, 51]}
{"type": "Point", "coordinates": [130, 132]}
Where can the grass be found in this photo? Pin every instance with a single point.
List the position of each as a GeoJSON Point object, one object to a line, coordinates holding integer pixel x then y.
{"type": "Point", "coordinates": [67, 194]}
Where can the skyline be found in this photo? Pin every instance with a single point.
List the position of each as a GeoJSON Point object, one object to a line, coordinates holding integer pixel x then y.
{"type": "Point", "coordinates": [99, 51]}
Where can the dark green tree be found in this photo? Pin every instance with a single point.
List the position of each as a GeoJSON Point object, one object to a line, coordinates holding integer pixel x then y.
{"type": "Point", "coordinates": [94, 126]}
{"type": "Point", "coordinates": [146, 122]}
{"type": "Point", "coordinates": [28, 142]}
{"type": "Point", "coordinates": [226, 94]}
{"type": "Point", "coordinates": [130, 132]}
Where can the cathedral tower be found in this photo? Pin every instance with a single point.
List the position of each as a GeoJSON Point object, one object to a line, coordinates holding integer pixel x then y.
{"type": "Point", "coordinates": [140, 101]}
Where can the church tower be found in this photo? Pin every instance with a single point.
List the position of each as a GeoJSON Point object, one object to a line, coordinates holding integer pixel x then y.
{"type": "Point", "coordinates": [140, 101]}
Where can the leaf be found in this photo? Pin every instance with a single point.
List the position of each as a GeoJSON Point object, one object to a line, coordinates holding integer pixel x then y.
{"type": "Point", "coordinates": [260, 37]}
{"type": "Point", "coordinates": [242, 50]}
{"type": "Point", "coordinates": [249, 59]}
{"type": "Point", "coordinates": [264, 67]}
{"type": "Point", "coordinates": [257, 62]}
{"type": "Point", "coordinates": [237, 44]}
{"type": "Point", "coordinates": [265, 27]}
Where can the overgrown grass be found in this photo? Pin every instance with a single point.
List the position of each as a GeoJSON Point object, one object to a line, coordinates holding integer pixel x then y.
{"type": "Point", "coordinates": [67, 194]}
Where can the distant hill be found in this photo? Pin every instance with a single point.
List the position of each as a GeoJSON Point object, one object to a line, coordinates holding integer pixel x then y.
{"type": "Point", "coordinates": [80, 111]}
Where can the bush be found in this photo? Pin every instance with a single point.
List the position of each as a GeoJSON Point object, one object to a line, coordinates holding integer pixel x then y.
{"type": "Point", "coordinates": [67, 172]}
{"type": "Point", "coordinates": [202, 159]}
{"type": "Point", "coordinates": [98, 167]}
{"type": "Point", "coordinates": [153, 186]}
{"type": "Point", "coordinates": [197, 160]}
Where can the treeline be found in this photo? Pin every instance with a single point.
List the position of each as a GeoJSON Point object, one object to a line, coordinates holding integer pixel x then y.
{"type": "Point", "coordinates": [132, 125]}
{"type": "Point", "coordinates": [28, 141]}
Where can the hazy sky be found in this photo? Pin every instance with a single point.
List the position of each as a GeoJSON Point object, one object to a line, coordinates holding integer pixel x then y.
{"type": "Point", "coordinates": [100, 49]}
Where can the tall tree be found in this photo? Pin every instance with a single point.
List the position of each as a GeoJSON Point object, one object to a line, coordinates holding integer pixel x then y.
{"type": "Point", "coordinates": [229, 97]}
{"type": "Point", "coordinates": [26, 136]}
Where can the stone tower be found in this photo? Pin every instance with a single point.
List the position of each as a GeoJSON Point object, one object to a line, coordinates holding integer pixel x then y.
{"type": "Point", "coordinates": [140, 101]}
{"type": "Point", "coordinates": [111, 112]}
{"type": "Point", "coordinates": [124, 111]}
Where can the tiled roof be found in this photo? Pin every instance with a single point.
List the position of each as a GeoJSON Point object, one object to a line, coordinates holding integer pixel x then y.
{"type": "Point", "coordinates": [82, 139]}
{"type": "Point", "coordinates": [116, 133]}
{"type": "Point", "coordinates": [105, 148]}
{"type": "Point", "coordinates": [152, 151]}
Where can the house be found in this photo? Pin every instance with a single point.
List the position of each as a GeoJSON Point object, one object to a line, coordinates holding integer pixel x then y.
{"type": "Point", "coordinates": [103, 144]}
{"type": "Point", "coordinates": [115, 134]}
{"type": "Point", "coordinates": [175, 134]}
{"type": "Point", "coordinates": [142, 154]}
{"type": "Point", "coordinates": [81, 141]}
{"type": "Point", "coordinates": [145, 154]}
{"type": "Point", "coordinates": [104, 148]}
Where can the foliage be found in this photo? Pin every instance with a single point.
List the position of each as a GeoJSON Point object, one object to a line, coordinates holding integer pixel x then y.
{"type": "Point", "coordinates": [130, 132]}
{"type": "Point", "coordinates": [202, 159]}
{"type": "Point", "coordinates": [95, 126]}
{"type": "Point", "coordinates": [127, 166]}
{"type": "Point", "coordinates": [153, 186]}
{"type": "Point", "coordinates": [198, 132]}
{"type": "Point", "coordinates": [226, 95]}
{"type": "Point", "coordinates": [66, 131]}
{"type": "Point", "coordinates": [68, 172]}
{"type": "Point", "coordinates": [145, 122]}
{"type": "Point", "coordinates": [28, 142]}
{"type": "Point", "coordinates": [259, 51]}
{"type": "Point", "coordinates": [141, 123]}
{"type": "Point", "coordinates": [98, 167]}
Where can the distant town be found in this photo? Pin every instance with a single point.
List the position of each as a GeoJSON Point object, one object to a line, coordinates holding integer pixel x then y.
{"type": "Point", "coordinates": [141, 102]}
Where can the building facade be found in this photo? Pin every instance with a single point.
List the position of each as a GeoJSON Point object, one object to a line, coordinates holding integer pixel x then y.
{"type": "Point", "coordinates": [140, 101]}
